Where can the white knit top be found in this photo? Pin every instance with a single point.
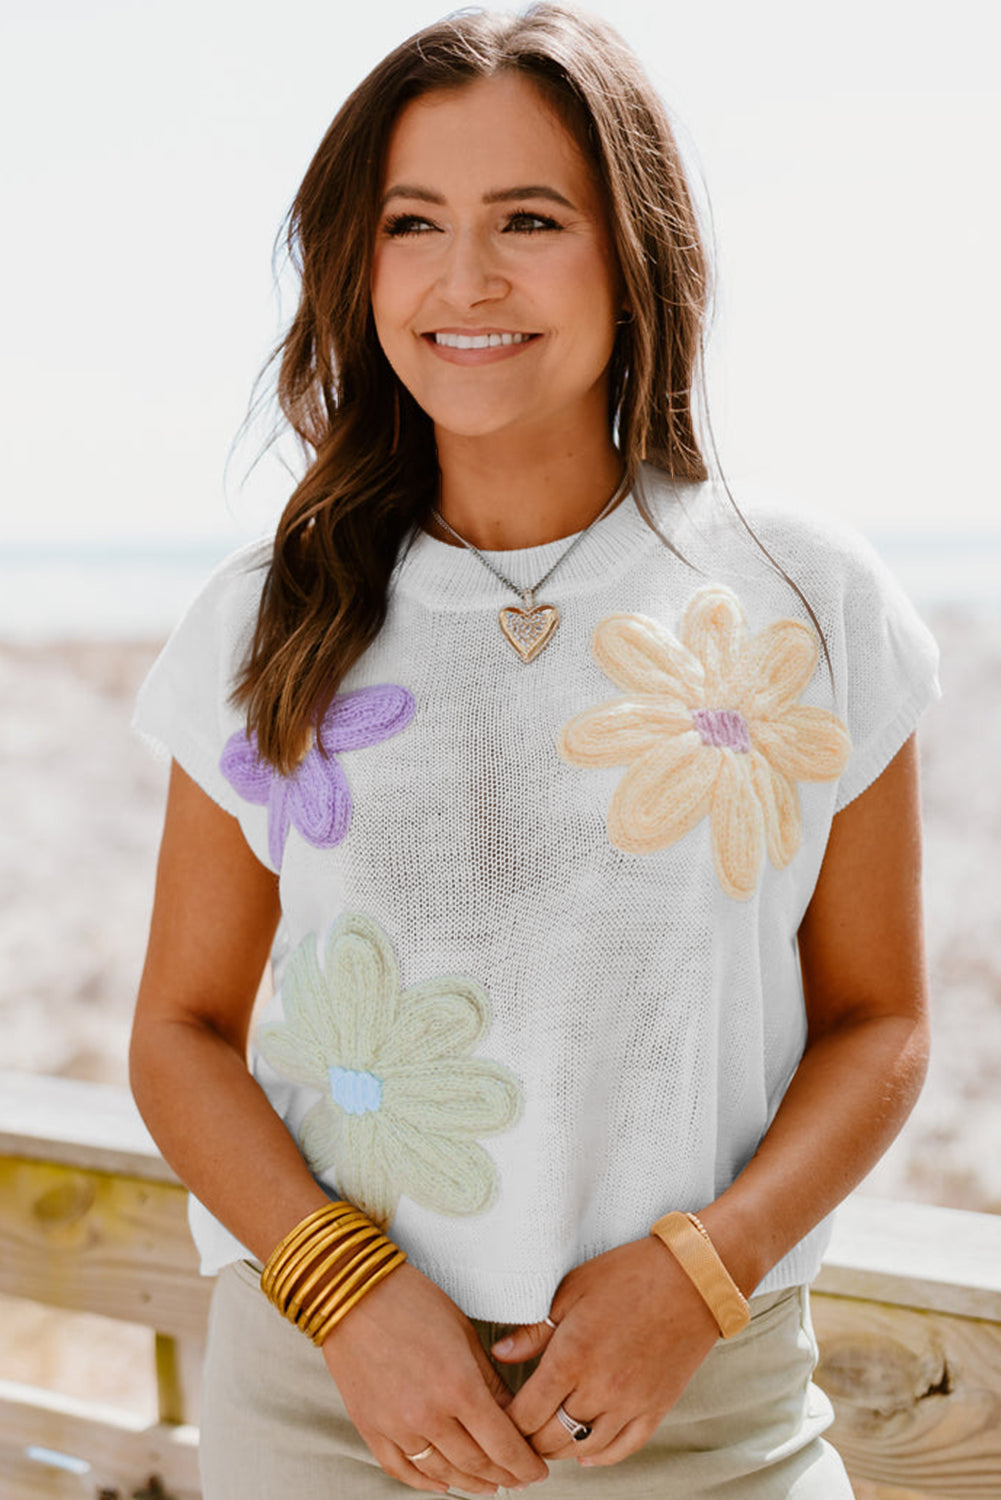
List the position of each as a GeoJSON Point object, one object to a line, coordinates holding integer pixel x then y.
{"type": "Point", "coordinates": [537, 978]}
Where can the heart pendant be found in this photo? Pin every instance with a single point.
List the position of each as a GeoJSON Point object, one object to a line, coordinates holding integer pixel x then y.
{"type": "Point", "coordinates": [528, 630]}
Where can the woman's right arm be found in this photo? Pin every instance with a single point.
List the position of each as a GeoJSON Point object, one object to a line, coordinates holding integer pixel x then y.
{"type": "Point", "coordinates": [214, 918]}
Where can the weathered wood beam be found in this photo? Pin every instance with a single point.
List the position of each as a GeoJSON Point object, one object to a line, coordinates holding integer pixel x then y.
{"type": "Point", "coordinates": [93, 1125]}
{"type": "Point", "coordinates": [917, 1397]}
{"type": "Point", "coordinates": [916, 1255]}
{"type": "Point", "coordinates": [178, 1378]}
{"type": "Point", "coordinates": [907, 1306]}
{"type": "Point", "coordinates": [112, 1450]}
{"type": "Point", "coordinates": [94, 1242]}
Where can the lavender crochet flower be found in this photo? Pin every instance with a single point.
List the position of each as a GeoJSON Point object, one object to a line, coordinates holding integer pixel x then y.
{"type": "Point", "coordinates": [316, 798]}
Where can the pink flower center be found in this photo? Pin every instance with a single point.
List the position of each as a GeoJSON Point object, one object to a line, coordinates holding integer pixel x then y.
{"type": "Point", "coordinates": [723, 727]}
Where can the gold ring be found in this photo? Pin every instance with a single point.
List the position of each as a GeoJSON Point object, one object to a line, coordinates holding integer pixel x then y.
{"type": "Point", "coordinates": [415, 1458]}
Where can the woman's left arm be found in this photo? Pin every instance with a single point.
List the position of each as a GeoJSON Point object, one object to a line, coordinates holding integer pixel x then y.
{"type": "Point", "coordinates": [632, 1330]}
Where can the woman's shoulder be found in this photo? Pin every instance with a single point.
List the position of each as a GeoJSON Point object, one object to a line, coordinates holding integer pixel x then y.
{"type": "Point", "coordinates": [185, 708]}
{"type": "Point", "coordinates": [205, 647]}
{"type": "Point", "coordinates": [808, 537]}
{"type": "Point", "coordinates": [737, 526]}
{"type": "Point", "coordinates": [224, 610]}
{"type": "Point", "coordinates": [855, 595]}
{"type": "Point", "coordinates": [240, 575]}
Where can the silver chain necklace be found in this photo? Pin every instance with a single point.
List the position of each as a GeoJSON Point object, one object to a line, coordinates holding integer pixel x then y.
{"type": "Point", "coordinates": [530, 629]}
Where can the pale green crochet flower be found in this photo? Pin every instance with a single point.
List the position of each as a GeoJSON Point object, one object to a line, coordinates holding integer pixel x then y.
{"type": "Point", "coordinates": [403, 1100]}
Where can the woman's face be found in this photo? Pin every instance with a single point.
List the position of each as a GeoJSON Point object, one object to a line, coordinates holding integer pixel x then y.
{"type": "Point", "coordinates": [495, 286]}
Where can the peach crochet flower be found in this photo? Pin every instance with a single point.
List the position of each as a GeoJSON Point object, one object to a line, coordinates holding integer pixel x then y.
{"type": "Point", "coordinates": [710, 726]}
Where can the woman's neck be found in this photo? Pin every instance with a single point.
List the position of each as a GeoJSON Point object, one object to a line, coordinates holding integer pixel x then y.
{"type": "Point", "coordinates": [501, 497]}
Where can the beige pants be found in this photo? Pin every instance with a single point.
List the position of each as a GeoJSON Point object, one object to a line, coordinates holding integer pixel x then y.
{"type": "Point", "coordinates": [747, 1427]}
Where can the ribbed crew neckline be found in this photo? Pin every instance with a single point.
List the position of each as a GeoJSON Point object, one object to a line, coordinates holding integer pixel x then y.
{"type": "Point", "coordinates": [452, 576]}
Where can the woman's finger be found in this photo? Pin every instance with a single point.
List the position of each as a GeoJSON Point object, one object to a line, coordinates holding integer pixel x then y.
{"type": "Point", "coordinates": [459, 1449]}
{"type": "Point", "coordinates": [437, 1467]}
{"type": "Point", "coordinates": [453, 1459]}
{"type": "Point", "coordinates": [554, 1440]}
{"type": "Point", "coordinates": [629, 1439]}
{"type": "Point", "coordinates": [527, 1341]}
{"type": "Point", "coordinates": [426, 1467]}
{"type": "Point", "coordinates": [536, 1402]}
{"type": "Point", "coordinates": [409, 1366]}
{"type": "Point", "coordinates": [395, 1463]}
{"type": "Point", "coordinates": [498, 1437]}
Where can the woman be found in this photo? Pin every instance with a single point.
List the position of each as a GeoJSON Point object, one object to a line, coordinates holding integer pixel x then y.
{"type": "Point", "coordinates": [589, 821]}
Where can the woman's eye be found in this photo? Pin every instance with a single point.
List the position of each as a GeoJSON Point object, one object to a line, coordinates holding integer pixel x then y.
{"type": "Point", "coordinates": [402, 224]}
{"type": "Point", "coordinates": [529, 223]}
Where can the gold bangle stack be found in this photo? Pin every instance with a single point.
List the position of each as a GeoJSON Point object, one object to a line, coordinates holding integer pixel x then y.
{"type": "Point", "coordinates": [300, 1277]}
{"type": "Point", "coordinates": [686, 1238]}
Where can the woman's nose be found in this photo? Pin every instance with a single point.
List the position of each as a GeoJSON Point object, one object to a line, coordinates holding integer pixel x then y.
{"type": "Point", "coordinates": [470, 273]}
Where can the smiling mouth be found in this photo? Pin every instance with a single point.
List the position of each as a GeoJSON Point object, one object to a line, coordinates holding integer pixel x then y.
{"type": "Point", "coordinates": [479, 340]}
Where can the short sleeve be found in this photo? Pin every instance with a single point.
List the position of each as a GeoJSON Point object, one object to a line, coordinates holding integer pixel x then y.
{"type": "Point", "coordinates": [891, 669]}
{"type": "Point", "coordinates": [184, 709]}
{"type": "Point", "coordinates": [881, 656]}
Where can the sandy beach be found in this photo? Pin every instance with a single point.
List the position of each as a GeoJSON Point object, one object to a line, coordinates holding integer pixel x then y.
{"type": "Point", "coordinates": [80, 807]}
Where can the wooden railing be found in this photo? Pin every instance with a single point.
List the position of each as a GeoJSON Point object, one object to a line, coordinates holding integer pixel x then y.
{"type": "Point", "coordinates": [907, 1308]}
{"type": "Point", "coordinates": [93, 1220]}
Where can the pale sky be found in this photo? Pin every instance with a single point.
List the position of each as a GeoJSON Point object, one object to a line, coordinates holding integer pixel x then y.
{"type": "Point", "coordinates": [151, 148]}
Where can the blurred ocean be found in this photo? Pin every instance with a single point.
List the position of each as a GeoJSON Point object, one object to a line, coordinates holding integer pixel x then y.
{"type": "Point", "coordinates": [129, 592]}
{"type": "Point", "coordinates": [139, 591]}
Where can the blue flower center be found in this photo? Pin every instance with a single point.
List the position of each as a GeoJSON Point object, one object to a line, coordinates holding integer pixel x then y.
{"type": "Point", "coordinates": [356, 1092]}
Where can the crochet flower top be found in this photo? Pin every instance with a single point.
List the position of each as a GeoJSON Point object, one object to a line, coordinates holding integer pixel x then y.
{"type": "Point", "coordinates": [536, 975]}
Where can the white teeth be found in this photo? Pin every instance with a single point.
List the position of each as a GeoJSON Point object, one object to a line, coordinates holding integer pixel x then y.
{"type": "Point", "coordinates": [479, 340]}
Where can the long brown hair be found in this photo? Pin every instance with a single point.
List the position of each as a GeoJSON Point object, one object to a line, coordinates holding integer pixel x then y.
{"type": "Point", "coordinates": [373, 474]}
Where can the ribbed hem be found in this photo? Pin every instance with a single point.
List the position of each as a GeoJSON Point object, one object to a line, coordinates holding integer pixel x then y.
{"type": "Point", "coordinates": [503, 1296]}
{"type": "Point", "coordinates": [494, 1296]}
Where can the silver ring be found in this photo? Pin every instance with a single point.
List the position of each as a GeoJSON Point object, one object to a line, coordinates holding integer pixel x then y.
{"type": "Point", "coordinates": [577, 1430]}
{"type": "Point", "coordinates": [415, 1458]}
{"type": "Point", "coordinates": [548, 1321]}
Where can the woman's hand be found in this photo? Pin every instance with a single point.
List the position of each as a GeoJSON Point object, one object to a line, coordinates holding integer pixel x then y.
{"type": "Point", "coordinates": [411, 1371]}
{"type": "Point", "coordinates": [631, 1331]}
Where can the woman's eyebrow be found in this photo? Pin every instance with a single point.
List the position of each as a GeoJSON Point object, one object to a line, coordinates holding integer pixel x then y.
{"type": "Point", "coordinates": [498, 195]}
{"type": "Point", "coordinates": [404, 190]}
{"type": "Point", "coordinates": [533, 190]}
